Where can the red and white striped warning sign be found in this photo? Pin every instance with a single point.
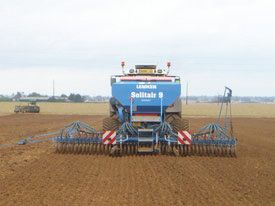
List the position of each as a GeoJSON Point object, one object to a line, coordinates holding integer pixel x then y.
{"type": "Point", "coordinates": [109, 137]}
{"type": "Point", "coordinates": [184, 137]}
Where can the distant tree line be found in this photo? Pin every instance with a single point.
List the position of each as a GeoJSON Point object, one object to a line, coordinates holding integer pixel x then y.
{"type": "Point", "coordinates": [34, 96]}
{"type": "Point", "coordinates": [76, 98]}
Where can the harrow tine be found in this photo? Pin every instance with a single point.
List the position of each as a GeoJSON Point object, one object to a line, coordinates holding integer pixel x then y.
{"type": "Point", "coordinates": [101, 149]}
{"type": "Point", "coordinates": [220, 150]}
{"type": "Point", "coordinates": [206, 149]}
{"type": "Point", "coordinates": [106, 151]}
{"type": "Point", "coordinates": [135, 149]}
{"type": "Point", "coordinates": [66, 148]}
{"type": "Point", "coordinates": [92, 148]}
{"type": "Point", "coordinates": [127, 149]}
{"type": "Point", "coordinates": [72, 147]}
{"type": "Point", "coordinates": [75, 148]}
{"type": "Point", "coordinates": [228, 150]}
{"type": "Point", "coordinates": [189, 150]}
{"type": "Point", "coordinates": [55, 147]}
{"type": "Point", "coordinates": [165, 149]}
{"type": "Point", "coordinates": [83, 148]}
{"type": "Point", "coordinates": [89, 148]}
{"type": "Point", "coordinates": [86, 151]}
{"type": "Point", "coordinates": [180, 150]}
{"type": "Point", "coordinates": [200, 149]}
{"type": "Point", "coordinates": [98, 148]}
{"type": "Point", "coordinates": [131, 149]}
{"type": "Point", "coordinates": [224, 150]}
{"type": "Point", "coordinates": [109, 147]}
{"type": "Point", "coordinates": [58, 147]}
{"type": "Point", "coordinates": [161, 148]}
{"type": "Point", "coordinates": [203, 149]}
{"type": "Point", "coordinates": [121, 149]}
{"type": "Point", "coordinates": [212, 150]}
{"type": "Point", "coordinates": [195, 150]}
{"type": "Point", "coordinates": [95, 148]}
{"type": "Point", "coordinates": [80, 148]}
{"type": "Point", "coordinates": [63, 150]}
{"type": "Point", "coordinates": [185, 149]}
{"type": "Point", "coordinates": [63, 146]}
{"type": "Point", "coordinates": [216, 150]}
{"type": "Point", "coordinates": [233, 151]}
{"type": "Point", "coordinates": [113, 151]}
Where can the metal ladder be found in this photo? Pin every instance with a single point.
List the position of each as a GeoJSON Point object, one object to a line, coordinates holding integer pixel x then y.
{"type": "Point", "coordinates": [145, 141]}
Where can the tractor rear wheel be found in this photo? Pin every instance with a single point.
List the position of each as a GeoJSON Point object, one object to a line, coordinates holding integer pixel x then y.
{"type": "Point", "coordinates": [171, 117]}
{"type": "Point", "coordinates": [110, 123]}
{"type": "Point", "coordinates": [180, 124]}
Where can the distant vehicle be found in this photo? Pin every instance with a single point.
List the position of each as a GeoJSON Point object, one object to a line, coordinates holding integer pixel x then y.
{"type": "Point", "coordinates": [30, 108]}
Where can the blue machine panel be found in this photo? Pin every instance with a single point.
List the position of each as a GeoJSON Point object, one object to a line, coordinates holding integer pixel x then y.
{"type": "Point", "coordinates": [146, 96]}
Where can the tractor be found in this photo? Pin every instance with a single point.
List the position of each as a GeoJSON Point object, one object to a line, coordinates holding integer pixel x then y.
{"type": "Point", "coordinates": [30, 108]}
{"type": "Point", "coordinates": [145, 117]}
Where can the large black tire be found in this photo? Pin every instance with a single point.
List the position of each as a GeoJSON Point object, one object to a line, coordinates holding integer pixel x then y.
{"type": "Point", "coordinates": [177, 123]}
{"type": "Point", "coordinates": [180, 124]}
{"type": "Point", "coordinates": [110, 123]}
{"type": "Point", "coordinates": [171, 117]}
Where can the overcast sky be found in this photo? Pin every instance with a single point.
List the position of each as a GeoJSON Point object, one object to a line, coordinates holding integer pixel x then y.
{"type": "Point", "coordinates": [80, 43]}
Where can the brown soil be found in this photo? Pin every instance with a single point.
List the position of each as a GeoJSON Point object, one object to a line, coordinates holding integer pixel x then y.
{"type": "Point", "coordinates": [34, 175]}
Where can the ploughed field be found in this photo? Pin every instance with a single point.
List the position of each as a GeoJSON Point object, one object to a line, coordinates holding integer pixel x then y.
{"type": "Point", "coordinates": [34, 175]}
